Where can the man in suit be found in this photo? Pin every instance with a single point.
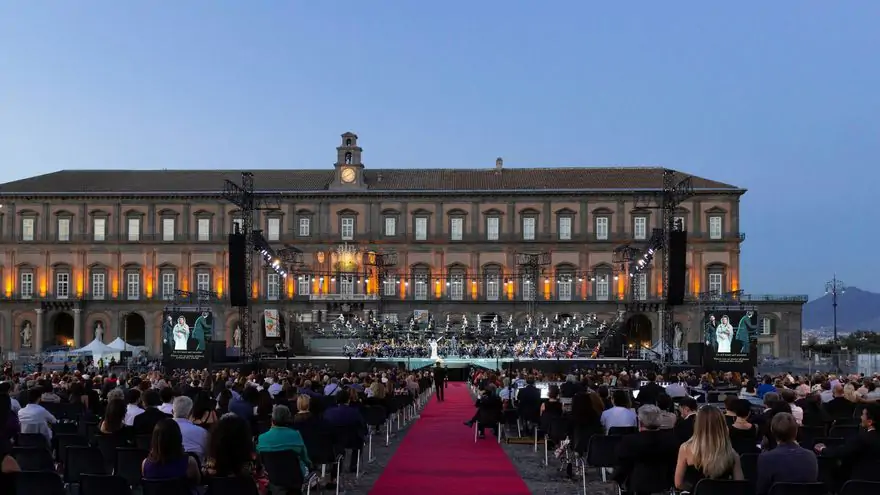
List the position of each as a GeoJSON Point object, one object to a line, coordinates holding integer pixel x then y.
{"type": "Point", "coordinates": [649, 392]}
{"type": "Point", "coordinates": [489, 411]}
{"type": "Point", "coordinates": [144, 422]}
{"type": "Point", "coordinates": [839, 406]}
{"type": "Point", "coordinates": [439, 382]}
{"type": "Point", "coordinates": [684, 429]}
{"type": "Point", "coordinates": [788, 462]}
{"type": "Point", "coordinates": [860, 454]}
{"type": "Point", "coordinates": [646, 460]}
{"type": "Point", "coordinates": [528, 401]}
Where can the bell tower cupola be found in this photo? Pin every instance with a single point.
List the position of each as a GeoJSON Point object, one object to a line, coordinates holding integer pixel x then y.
{"type": "Point", "coordinates": [349, 168]}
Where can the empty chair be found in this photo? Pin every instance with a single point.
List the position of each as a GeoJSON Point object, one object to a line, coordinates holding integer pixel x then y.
{"type": "Point", "coordinates": [98, 484]}
{"type": "Point", "coordinates": [375, 417]}
{"type": "Point", "coordinates": [33, 458]}
{"type": "Point", "coordinates": [281, 474]}
{"type": "Point", "coordinates": [82, 460]}
{"type": "Point", "coordinates": [39, 482]}
{"type": "Point", "coordinates": [749, 464]}
{"type": "Point", "coordinates": [238, 485]}
{"type": "Point", "coordinates": [602, 452]}
{"type": "Point", "coordinates": [128, 464]}
{"type": "Point", "coordinates": [32, 440]}
{"type": "Point", "coordinates": [622, 430]}
{"type": "Point", "coordinates": [722, 487]}
{"type": "Point", "coordinates": [798, 489]}
{"type": "Point", "coordinates": [66, 440]}
{"type": "Point", "coordinates": [856, 487]}
{"type": "Point", "coordinates": [176, 486]}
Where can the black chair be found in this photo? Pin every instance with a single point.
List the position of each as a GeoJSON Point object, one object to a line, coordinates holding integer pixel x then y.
{"type": "Point", "coordinates": [749, 464]}
{"type": "Point", "coordinates": [128, 464]}
{"type": "Point", "coordinates": [83, 460]}
{"type": "Point", "coordinates": [602, 453]}
{"type": "Point", "coordinates": [39, 482]}
{"type": "Point", "coordinates": [350, 438]}
{"type": "Point", "coordinates": [64, 441]}
{"type": "Point", "coordinates": [376, 417]}
{"type": "Point", "coordinates": [722, 487]}
{"type": "Point", "coordinates": [798, 489]}
{"type": "Point", "coordinates": [830, 441]}
{"type": "Point", "coordinates": [622, 430]}
{"type": "Point", "coordinates": [281, 467]}
{"type": "Point", "coordinates": [808, 434]}
{"type": "Point", "coordinates": [32, 440]}
{"type": "Point", "coordinates": [854, 421]}
{"type": "Point", "coordinates": [237, 485]}
{"type": "Point", "coordinates": [175, 486]}
{"type": "Point", "coordinates": [33, 459]}
{"type": "Point", "coordinates": [856, 487]}
{"type": "Point", "coordinates": [557, 431]}
{"type": "Point", "coordinates": [143, 441]}
{"type": "Point", "coordinates": [844, 432]}
{"type": "Point", "coordinates": [107, 444]}
{"type": "Point", "coordinates": [320, 444]}
{"type": "Point", "coordinates": [97, 484]}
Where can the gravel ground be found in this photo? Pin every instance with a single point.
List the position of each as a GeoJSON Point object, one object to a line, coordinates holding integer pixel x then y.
{"type": "Point", "coordinates": [552, 479]}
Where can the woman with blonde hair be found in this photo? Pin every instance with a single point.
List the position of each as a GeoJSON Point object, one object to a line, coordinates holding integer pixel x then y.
{"type": "Point", "coordinates": [850, 394]}
{"type": "Point", "coordinates": [709, 452]}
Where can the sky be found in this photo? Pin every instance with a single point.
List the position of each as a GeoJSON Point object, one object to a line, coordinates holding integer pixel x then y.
{"type": "Point", "coordinates": [778, 97]}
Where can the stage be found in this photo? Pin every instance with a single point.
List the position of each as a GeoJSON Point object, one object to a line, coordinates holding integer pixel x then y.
{"type": "Point", "coordinates": [358, 364]}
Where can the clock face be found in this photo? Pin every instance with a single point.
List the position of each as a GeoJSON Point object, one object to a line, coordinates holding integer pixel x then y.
{"type": "Point", "coordinates": [348, 175]}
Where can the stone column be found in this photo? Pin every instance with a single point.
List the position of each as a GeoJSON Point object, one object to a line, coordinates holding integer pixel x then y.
{"type": "Point", "coordinates": [77, 328]}
{"type": "Point", "coordinates": [37, 344]}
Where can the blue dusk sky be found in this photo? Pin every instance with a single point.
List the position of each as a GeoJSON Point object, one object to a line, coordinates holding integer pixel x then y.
{"type": "Point", "coordinates": [777, 97]}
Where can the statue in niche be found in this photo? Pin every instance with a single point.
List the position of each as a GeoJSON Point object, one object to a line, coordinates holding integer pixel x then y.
{"type": "Point", "coordinates": [236, 337]}
{"type": "Point", "coordinates": [99, 331]}
{"type": "Point", "coordinates": [26, 334]}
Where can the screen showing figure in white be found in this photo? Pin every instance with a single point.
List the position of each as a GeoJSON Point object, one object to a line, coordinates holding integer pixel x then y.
{"type": "Point", "coordinates": [433, 345]}
{"type": "Point", "coordinates": [724, 335]}
{"type": "Point", "coordinates": [180, 334]}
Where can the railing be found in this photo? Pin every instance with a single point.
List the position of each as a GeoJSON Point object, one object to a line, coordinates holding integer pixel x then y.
{"type": "Point", "coordinates": [801, 298]}
{"type": "Point", "coordinates": [372, 237]}
{"type": "Point", "coordinates": [344, 297]}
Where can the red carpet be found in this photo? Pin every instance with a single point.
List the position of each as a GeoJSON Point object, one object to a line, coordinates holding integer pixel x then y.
{"type": "Point", "coordinates": [439, 456]}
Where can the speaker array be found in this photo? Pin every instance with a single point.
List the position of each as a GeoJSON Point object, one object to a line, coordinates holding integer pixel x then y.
{"type": "Point", "coordinates": [237, 293]}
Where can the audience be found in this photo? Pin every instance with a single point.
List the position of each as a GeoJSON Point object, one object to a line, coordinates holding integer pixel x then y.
{"type": "Point", "coordinates": [788, 462]}
{"type": "Point", "coordinates": [281, 437]}
{"type": "Point", "coordinates": [684, 429]}
{"type": "Point", "coordinates": [195, 438]}
{"type": "Point", "coordinates": [34, 418]}
{"type": "Point", "coordinates": [644, 455]}
{"type": "Point", "coordinates": [860, 454]}
{"type": "Point", "coordinates": [621, 414]}
{"type": "Point", "coordinates": [144, 423]}
{"type": "Point", "coordinates": [167, 459]}
{"type": "Point", "coordinates": [708, 453]}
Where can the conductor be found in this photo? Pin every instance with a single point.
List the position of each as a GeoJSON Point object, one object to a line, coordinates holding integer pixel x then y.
{"type": "Point", "coordinates": [439, 382]}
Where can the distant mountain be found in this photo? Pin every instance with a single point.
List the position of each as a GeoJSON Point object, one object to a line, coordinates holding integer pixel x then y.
{"type": "Point", "coordinates": [856, 310]}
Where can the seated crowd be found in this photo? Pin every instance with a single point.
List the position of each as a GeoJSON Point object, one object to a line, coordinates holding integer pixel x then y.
{"type": "Point", "coordinates": [195, 429]}
{"type": "Point", "coordinates": [655, 437]}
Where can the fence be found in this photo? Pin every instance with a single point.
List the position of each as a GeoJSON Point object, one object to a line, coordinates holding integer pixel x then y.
{"type": "Point", "coordinates": [814, 362]}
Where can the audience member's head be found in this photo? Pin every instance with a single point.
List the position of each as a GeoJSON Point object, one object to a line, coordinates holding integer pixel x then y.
{"type": "Point", "coordinates": [182, 407]}
{"type": "Point", "coordinates": [664, 403]}
{"type": "Point", "coordinates": [710, 444]}
{"type": "Point", "coordinates": [553, 392]}
{"type": "Point", "coordinates": [620, 398]}
{"type": "Point", "coordinates": [742, 408]}
{"type": "Point", "coordinates": [770, 398]}
{"type": "Point", "coordinates": [649, 417]}
{"type": "Point", "coordinates": [116, 393]}
{"type": "Point", "coordinates": [230, 445]}
{"type": "Point", "coordinates": [870, 414]}
{"type": "Point", "coordinates": [281, 416]}
{"type": "Point", "coordinates": [687, 406]}
{"type": "Point", "coordinates": [784, 427]}
{"type": "Point", "coordinates": [167, 395]}
{"type": "Point", "coordinates": [788, 395]}
{"type": "Point", "coordinates": [114, 415]}
{"type": "Point", "coordinates": [167, 443]}
{"type": "Point", "coordinates": [151, 399]}
{"type": "Point", "coordinates": [837, 391]}
{"type": "Point", "coordinates": [303, 404]}
{"type": "Point", "coordinates": [133, 396]}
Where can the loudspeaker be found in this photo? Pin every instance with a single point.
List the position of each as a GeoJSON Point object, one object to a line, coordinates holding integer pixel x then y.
{"type": "Point", "coordinates": [236, 280]}
{"type": "Point", "coordinates": [677, 268]}
{"type": "Point", "coordinates": [695, 353]}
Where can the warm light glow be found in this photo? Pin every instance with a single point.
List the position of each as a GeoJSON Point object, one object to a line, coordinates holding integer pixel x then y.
{"type": "Point", "coordinates": [115, 286]}
{"type": "Point", "coordinates": [510, 290]}
{"type": "Point", "coordinates": [290, 287]}
{"type": "Point", "coordinates": [184, 283]}
{"type": "Point", "coordinates": [43, 283]}
{"type": "Point", "coordinates": [219, 288]}
{"type": "Point", "coordinates": [316, 289]}
{"type": "Point", "coordinates": [474, 286]}
{"type": "Point", "coordinates": [10, 285]}
{"type": "Point", "coordinates": [402, 286]}
{"type": "Point", "coordinates": [585, 287]}
{"type": "Point", "coordinates": [255, 291]}
{"type": "Point", "coordinates": [696, 285]}
{"type": "Point", "coordinates": [734, 284]}
{"type": "Point", "coordinates": [326, 288]}
{"type": "Point", "coordinates": [148, 285]}
{"type": "Point", "coordinates": [438, 289]}
{"type": "Point", "coordinates": [621, 287]}
{"type": "Point", "coordinates": [547, 289]}
{"type": "Point", "coordinates": [79, 284]}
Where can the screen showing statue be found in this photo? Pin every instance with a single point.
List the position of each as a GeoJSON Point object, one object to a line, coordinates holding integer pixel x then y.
{"type": "Point", "coordinates": [185, 332]}
{"type": "Point", "coordinates": [731, 338]}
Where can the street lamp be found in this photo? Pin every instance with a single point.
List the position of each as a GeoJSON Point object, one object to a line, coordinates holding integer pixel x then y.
{"type": "Point", "coordinates": [835, 287]}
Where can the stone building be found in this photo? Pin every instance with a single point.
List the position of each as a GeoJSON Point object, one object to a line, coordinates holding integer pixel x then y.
{"type": "Point", "coordinates": [83, 248]}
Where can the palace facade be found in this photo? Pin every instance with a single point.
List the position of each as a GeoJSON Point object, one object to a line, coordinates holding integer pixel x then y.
{"type": "Point", "coordinates": [83, 248]}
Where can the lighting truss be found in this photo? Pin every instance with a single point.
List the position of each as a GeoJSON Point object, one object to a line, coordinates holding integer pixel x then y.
{"type": "Point", "coordinates": [280, 261]}
{"type": "Point", "coordinates": [641, 263]}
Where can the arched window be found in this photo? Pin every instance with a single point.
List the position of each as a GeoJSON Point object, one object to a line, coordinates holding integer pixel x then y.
{"type": "Point", "coordinates": [492, 282]}
{"type": "Point", "coordinates": [455, 282]}
{"type": "Point", "coordinates": [420, 282]}
{"type": "Point", "coordinates": [602, 282]}
{"type": "Point", "coordinates": [348, 158]}
{"type": "Point", "coordinates": [348, 141]}
{"type": "Point", "coordinates": [566, 290]}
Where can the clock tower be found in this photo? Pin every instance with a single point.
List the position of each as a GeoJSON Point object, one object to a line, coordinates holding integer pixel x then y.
{"type": "Point", "coordinates": [349, 169]}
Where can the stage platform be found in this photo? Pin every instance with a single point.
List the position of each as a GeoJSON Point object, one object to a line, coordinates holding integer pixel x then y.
{"type": "Point", "coordinates": [357, 364]}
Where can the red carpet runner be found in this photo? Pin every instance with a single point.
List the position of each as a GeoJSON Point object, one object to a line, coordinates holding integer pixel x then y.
{"type": "Point", "coordinates": [439, 456]}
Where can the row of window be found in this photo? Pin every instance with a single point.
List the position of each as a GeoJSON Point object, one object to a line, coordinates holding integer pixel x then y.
{"type": "Point", "coordinates": [347, 228]}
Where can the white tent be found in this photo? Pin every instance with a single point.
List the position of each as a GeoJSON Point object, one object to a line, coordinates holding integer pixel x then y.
{"type": "Point", "coordinates": [121, 345]}
{"type": "Point", "coordinates": [97, 349]}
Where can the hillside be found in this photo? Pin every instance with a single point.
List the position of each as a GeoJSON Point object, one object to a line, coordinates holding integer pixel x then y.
{"type": "Point", "coordinates": [856, 310]}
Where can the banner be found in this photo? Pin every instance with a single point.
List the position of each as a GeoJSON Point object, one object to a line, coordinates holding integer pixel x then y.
{"type": "Point", "coordinates": [184, 333]}
{"type": "Point", "coordinates": [270, 320]}
{"type": "Point", "coordinates": [731, 339]}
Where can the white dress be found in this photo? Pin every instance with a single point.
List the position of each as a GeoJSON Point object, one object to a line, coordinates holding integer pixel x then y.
{"type": "Point", "coordinates": [181, 335]}
{"type": "Point", "coordinates": [723, 335]}
{"type": "Point", "coordinates": [434, 355]}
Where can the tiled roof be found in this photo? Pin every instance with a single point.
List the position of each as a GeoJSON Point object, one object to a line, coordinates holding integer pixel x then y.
{"type": "Point", "coordinates": [206, 181]}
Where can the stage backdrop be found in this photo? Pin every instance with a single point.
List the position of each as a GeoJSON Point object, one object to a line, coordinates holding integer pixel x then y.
{"type": "Point", "coordinates": [270, 320]}
{"type": "Point", "coordinates": [731, 339]}
{"type": "Point", "coordinates": [184, 333]}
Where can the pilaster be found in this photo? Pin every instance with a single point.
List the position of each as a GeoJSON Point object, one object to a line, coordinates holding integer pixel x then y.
{"type": "Point", "coordinates": [77, 328]}
{"type": "Point", "coordinates": [38, 338]}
